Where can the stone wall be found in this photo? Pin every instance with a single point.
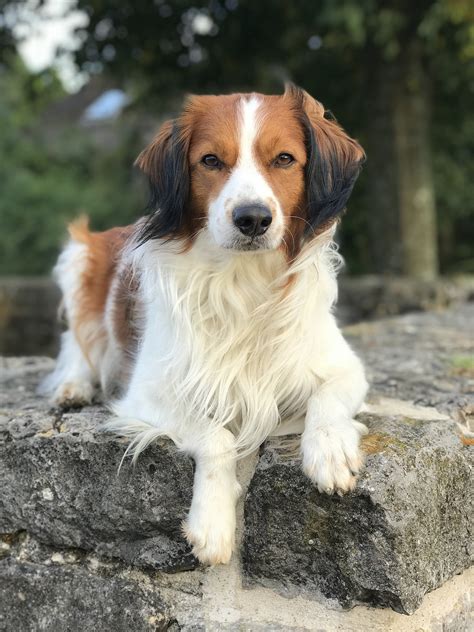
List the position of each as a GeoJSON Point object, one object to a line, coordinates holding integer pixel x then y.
{"type": "Point", "coordinates": [85, 548]}
{"type": "Point", "coordinates": [29, 324]}
{"type": "Point", "coordinates": [28, 316]}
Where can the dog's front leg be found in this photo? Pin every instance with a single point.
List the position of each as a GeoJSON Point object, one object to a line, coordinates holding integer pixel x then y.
{"type": "Point", "coordinates": [210, 526]}
{"type": "Point", "coordinates": [330, 441]}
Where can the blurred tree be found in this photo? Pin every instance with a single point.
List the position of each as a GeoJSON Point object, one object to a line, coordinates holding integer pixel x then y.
{"type": "Point", "coordinates": [44, 183]}
{"type": "Point", "coordinates": [399, 75]}
{"type": "Point", "coordinates": [15, 17]}
{"type": "Point", "coordinates": [388, 60]}
{"type": "Point", "coordinates": [7, 41]}
{"type": "Point", "coordinates": [409, 52]}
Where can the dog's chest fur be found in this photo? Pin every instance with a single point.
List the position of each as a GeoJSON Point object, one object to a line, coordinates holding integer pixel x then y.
{"type": "Point", "coordinates": [237, 338]}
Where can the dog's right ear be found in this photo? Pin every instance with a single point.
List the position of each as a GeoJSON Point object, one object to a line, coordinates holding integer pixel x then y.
{"type": "Point", "coordinates": [334, 160]}
{"type": "Point", "coordinates": [165, 162]}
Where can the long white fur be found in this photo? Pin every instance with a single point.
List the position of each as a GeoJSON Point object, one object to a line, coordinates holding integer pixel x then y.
{"type": "Point", "coordinates": [231, 346]}
{"type": "Point", "coordinates": [226, 341]}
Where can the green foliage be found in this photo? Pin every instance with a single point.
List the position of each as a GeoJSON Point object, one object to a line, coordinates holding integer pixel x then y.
{"type": "Point", "coordinates": [331, 49]}
{"type": "Point", "coordinates": [163, 45]}
{"type": "Point", "coordinates": [160, 49]}
{"type": "Point", "coordinates": [45, 184]}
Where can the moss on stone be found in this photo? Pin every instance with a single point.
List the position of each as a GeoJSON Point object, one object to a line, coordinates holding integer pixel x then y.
{"type": "Point", "coordinates": [375, 443]}
{"type": "Point", "coordinates": [462, 364]}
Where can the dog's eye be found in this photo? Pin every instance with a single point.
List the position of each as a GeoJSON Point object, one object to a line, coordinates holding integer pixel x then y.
{"type": "Point", "coordinates": [211, 161]}
{"type": "Point", "coordinates": [283, 160]}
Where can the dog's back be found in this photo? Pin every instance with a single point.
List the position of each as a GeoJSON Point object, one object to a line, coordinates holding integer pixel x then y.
{"type": "Point", "coordinates": [95, 307]}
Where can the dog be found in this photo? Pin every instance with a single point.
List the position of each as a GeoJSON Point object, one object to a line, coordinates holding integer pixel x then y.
{"type": "Point", "coordinates": [212, 314]}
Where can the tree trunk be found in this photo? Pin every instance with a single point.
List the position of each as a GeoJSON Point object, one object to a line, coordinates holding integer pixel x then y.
{"type": "Point", "coordinates": [415, 179]}
{"type": "Point", "coordinates": [382, 180]}
{"type": "Point", "coordinates": [402, 205]}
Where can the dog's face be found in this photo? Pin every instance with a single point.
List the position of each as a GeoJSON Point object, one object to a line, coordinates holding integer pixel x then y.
{"type": "Point", "coordinates": [257, 172]}
{"type": "Point", "coordinates": [247, 158]}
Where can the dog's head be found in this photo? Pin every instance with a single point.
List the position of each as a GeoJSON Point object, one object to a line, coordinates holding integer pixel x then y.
{"type": "Point", "coordinates": [257, 172]}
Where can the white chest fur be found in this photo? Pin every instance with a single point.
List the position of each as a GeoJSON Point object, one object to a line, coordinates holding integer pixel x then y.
{"type": "Point", "coordinates": [233, 340]}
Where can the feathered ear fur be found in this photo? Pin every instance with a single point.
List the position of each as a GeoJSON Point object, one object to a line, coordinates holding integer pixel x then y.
{"type": "Point", "coordinates": [165, 163]}
{"type": "Point", "coordinates": [334, 160]}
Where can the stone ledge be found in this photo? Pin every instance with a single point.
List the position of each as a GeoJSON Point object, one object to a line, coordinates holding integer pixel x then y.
{"type": "Point", "coordinates": [62, 598]}
{"type": "Point", "coordinates": [423, 358]}
{"type": "Point", "coordinates": [205, 600]}
{"type": "Point", "coordinates": [374, 296]}
{"type": "Point", "coordinates": [58, 482]}
{"type": "Point", "coordinates": [46, 588]}
{"type": "Point", "coordinates": [404, 531]}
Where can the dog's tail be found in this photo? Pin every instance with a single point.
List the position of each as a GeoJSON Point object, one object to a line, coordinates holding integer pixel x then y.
{"type": "Point", "coordinates": [140, 433]}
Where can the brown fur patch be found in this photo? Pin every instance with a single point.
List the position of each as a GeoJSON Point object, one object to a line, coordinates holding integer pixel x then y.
{"type": "Point", "coordinates": [125, 309]}
{"type": "Point", "coordinates": [103, 253]}
{"type": "Point", "coordinates": [281, 132]}
{"type": "Point", "coordinates": [213, 122]}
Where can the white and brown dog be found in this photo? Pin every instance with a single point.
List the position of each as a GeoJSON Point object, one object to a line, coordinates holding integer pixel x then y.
{"type": "Point", "coordinates": [213, 314]}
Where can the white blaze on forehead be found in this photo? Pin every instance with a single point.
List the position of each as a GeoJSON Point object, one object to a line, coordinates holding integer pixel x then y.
{"type": "Point", "coordinates": [248, 129]}
{"type": "Point", "coordinates": [247, 182]}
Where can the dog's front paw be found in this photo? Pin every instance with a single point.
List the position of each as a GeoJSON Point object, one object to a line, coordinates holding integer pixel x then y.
{"type": "Point", "coordinates": [211, 534]}
{"type": "Point", "coordinates": [210, 527]}
{"type": "Point", "coordinates": [331, 456]}
{"type": "Point", "coordinates": [73, 394]}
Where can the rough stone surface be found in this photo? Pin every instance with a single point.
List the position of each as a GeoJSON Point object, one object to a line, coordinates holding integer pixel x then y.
{"type": "Point", "coordinates": [46, 598]}
{"type": "Point", "coordinates": [43, 587]}
{"type": "Point", "coordinates": [68, 520]}
{"type": "Point", "coordinates": [28, 316]}
{"type": "Point", "coordinates": [408, 525]}
{"type": "Point", "coordinates": [205, 600]}
{"type": "Point", "coordinates": [425, 358]}
{"type": "Point", "coordinates": [372, 296]}
{"type": "Point", "coordinates": [404, 531]}
{"type": "Point", "coordinates": [60, 481]}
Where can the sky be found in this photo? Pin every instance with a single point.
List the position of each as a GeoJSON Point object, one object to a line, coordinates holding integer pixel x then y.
{"type": "Point", "coordinates": [46, 29]}
{"type": "Point", "coordinates": [108, 105]}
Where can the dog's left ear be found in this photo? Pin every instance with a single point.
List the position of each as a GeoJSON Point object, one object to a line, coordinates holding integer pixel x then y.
{"type": "Point", "coordinates": [165, 162]}
{"type": "Point", "coordinates": [334, 160]}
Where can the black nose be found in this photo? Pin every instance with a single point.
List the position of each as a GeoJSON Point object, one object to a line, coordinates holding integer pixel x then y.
{"type": "Point", "coordinates": [252, 219]}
